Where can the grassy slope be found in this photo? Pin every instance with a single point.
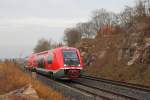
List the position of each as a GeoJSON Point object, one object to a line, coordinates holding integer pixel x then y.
{"type": "Point", "coordinates": [109, 67]}
{"type": "Point", "coordinates": [11, 78]}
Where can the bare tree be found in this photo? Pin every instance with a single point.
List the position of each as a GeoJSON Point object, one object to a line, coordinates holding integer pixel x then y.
{"type": "Point", "coordinates": [146, 4]}
{"type": "Point", "coordinates": [140, 8]}
{"type": "Point", "coordinates": [126, 18]}
{"type": "Point", "coordinates": [42, 45]}
{"type": "Point", "coordinates": [101, 18]}
{"type": "Point", "coordinates": [86, 30]}
{"type": "Point", "coordinates": [132, 16]}
{"type": "Point", "coordinates": [72, 36]}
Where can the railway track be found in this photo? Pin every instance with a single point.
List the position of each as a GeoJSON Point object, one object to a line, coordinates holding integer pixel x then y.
{"type": "Point", "coordinates": [118, 89]}
{"type": "Point", "coordinates": [70, 84]}
{"type": "Point", "coordinates": [96, 93]}
{"type": "Point", "coordinates": [130, 85]}
{"type": "Point", "coordinates": [100, 89]}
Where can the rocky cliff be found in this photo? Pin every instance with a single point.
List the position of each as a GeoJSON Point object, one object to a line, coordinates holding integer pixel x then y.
{"type": "Point", "coordinates": [123, 57]}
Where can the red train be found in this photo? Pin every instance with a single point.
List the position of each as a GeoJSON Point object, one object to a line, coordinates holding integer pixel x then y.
{"type": "Point", "coordinates": [63, 62]}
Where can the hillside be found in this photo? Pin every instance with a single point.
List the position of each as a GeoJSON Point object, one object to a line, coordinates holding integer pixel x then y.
{"type": "Point", "coordinates": [118, 57]}
{"type": "Point", "coordinates": [115, 45]}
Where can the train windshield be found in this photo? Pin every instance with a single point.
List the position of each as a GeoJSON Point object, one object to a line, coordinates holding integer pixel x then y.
{"type": "Point", "coordinates": [71, 58]}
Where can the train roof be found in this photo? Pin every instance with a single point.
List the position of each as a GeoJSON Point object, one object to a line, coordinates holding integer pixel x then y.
{"type": "Point", "coordinates": [59, 48]}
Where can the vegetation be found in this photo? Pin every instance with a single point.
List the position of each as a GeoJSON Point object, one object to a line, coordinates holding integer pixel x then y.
{"type": "Point", "coordinates": [72, 36]}
{"type": "Point", "coordinates": [11, 78]}
{"type": "Point", "coordinates": [44, 44]}
{"type": "Point", "coordinates": [117, 46]}
{"type": "Point", "coordinates": [104, 22]}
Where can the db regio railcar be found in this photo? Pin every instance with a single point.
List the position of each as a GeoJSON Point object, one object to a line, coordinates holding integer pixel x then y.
{"type": "Point", "coordinates": [62, 62]}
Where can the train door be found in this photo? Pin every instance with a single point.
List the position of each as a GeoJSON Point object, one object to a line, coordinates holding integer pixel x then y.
{"type": "Point", "coordinates": [41, 61]}
{"type": "Point", "coordinates": [49, 60]}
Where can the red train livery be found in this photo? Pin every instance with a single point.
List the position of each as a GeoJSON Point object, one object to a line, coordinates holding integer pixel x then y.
{"type": "Point", "coordinates": [63, 62]}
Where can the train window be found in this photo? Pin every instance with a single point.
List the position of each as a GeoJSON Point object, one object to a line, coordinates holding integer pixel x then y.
{"type": "Point", "coordinates": [70, 54]}
{"type": "Point", "coordinates": [71, 58]}
{"type": "Point", "coordinates": [41, 63]}
{"type": "Point", "coordinates": [50, 58]}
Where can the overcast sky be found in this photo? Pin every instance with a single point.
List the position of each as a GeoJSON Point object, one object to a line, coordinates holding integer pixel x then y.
{"type": "Point", "coordinates": [24, 22]}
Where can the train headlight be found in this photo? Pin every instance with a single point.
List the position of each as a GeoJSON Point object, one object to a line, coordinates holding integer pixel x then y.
{"type": "Point", "coordinates": [79, 65]}
{"type": "Point", "coordinates": [65, 65]}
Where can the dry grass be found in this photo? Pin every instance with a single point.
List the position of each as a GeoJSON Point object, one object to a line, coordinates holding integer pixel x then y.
{"type": "Point", "coordinates": [11, 78]}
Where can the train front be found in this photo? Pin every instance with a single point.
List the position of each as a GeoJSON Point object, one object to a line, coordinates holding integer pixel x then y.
{"type": "Point", "coordinates": [72, 63]}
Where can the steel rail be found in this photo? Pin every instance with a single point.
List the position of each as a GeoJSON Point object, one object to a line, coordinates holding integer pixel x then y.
{"type": "Point", "coordinates": [119, 83]}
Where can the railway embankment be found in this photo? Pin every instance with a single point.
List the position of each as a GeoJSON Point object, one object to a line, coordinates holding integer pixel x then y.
{"type": "Point", "coordinates": [17, 85]}
{"type": "Point", "coordinates": [92, 88]}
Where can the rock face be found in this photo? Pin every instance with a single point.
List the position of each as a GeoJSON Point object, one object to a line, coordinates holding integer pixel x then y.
{"type": "Point", "coordinates": [141, 55]}
{"type": "Point", "coordinates": [131, 50]}
{"type": "Point", "coordinates": [24, 93]}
